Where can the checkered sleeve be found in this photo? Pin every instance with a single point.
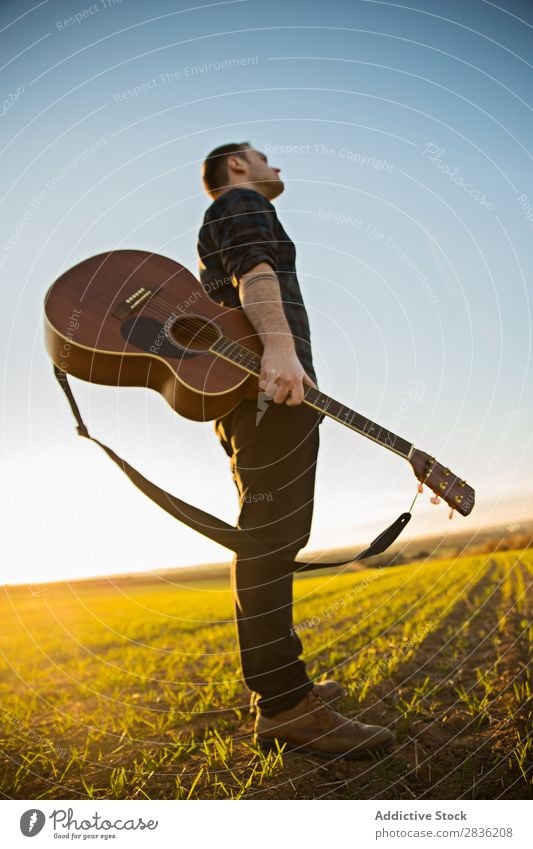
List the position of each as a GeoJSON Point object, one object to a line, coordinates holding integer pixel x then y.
{"type": "Point", "coordinates": [244, 232]}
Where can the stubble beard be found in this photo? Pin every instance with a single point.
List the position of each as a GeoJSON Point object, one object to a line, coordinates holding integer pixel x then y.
{"type": "Point", "coordinates": [272, 188]}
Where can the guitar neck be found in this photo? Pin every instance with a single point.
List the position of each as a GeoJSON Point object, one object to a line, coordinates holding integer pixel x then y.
{"type": "Point", "coordinates": [250, 362]}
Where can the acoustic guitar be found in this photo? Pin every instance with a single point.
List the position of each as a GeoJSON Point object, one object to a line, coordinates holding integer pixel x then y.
{"type": "Point", "coordinates": [132, 318]}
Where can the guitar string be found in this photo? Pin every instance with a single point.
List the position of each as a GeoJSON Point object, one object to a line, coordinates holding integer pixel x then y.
{"type": "Point", "coordinates": [314, 396]}
{"type": "Point", "coordinates": [197, 326]}
{"type": "Point", "coordinates": [158, 307]}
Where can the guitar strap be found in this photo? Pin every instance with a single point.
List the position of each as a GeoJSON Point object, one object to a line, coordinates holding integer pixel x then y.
{"type": "Point", "coordinates": [242, 543]}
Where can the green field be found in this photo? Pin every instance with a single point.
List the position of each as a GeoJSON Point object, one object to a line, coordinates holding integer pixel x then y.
{"type": "Point", "coordinates": [132, 689]}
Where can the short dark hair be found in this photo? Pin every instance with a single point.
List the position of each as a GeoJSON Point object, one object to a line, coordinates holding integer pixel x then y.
{"type": "Point", "coordinates": [215, 168]}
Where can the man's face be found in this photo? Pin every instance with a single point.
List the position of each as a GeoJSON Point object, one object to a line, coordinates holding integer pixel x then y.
{"type": "Point", "coordinates": [260, 172]}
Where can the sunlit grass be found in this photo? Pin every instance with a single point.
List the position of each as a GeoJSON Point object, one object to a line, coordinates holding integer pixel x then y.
{"type": "Point", "coordinates": [133, 690]}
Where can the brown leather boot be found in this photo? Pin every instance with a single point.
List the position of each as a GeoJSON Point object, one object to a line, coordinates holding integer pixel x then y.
{"type": "Point", "coordinates": [311, 726]}
{"type": "Point", "coordinates": [329, 691]}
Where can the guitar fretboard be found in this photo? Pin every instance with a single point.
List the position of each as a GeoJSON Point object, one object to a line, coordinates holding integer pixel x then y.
{"type": "Point", "coordinates": [249, 361]}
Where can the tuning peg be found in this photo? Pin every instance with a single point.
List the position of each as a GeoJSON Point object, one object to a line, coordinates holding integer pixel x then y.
{"type": "Point", "coordinates": [435, 499]}
{"type": "Point", "coordinates": [421, 487]}
{"type": "Point", "coordinates": [450, 515]}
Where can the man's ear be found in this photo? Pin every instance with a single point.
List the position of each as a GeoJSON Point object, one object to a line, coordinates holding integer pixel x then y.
{"type": "Point", "coordinates": [237, 164]}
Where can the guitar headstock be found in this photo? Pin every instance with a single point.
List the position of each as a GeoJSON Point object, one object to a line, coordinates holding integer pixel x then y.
{"type": "Point", "coordinates": [456, 492]}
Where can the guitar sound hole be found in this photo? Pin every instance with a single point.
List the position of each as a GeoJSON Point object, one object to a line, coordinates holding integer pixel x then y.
{"type": "Point", "coordinates": [194, 332]}
{"type": "Point", "coordinates": [147, 334]}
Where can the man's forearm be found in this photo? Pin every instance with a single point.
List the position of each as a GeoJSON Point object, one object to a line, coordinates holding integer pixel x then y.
{"type": "Point", "coordinates": [282, 374]}
{"type": "Point", "coordinates": [260, 297]}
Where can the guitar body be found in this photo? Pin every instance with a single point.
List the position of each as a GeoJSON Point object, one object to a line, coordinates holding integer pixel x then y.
{"type": "Point", "coordinates": [111, 320]}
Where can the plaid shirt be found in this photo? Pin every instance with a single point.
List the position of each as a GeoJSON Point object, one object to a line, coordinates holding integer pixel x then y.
{"type": "Point", "coordinates": [240, 230]}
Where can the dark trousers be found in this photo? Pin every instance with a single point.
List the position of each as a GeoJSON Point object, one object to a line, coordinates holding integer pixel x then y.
{"type": "Point", "coordinates": [273, 460]}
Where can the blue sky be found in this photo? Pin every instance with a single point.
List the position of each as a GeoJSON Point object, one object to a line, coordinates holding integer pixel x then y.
{"type": "Point", "coordinates": [403, 134]}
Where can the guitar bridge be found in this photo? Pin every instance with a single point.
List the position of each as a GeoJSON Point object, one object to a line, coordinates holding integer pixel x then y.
{"type": "Point", "coordinates": [132, 303]}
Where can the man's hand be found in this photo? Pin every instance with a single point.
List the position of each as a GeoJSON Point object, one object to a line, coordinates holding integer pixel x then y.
{"type": "Point", "coordinates": [282, 375]}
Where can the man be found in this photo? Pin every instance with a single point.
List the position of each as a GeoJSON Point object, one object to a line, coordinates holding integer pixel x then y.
{"type": "Point", "coordinates": [247, 260]}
